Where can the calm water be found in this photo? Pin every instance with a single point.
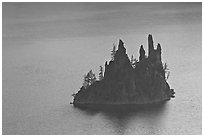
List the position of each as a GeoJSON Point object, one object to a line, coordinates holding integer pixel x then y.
{"type": "Point", "coordinates": [38, 82]}
{"type": "Point", "coordinates": [43, 64]}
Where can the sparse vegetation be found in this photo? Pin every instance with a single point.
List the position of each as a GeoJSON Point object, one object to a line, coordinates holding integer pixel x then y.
{"type": "Point", "coordinates": [113, 52]}
{"type": "Point", "coordinates": [166, 71]}
{"type": "Point", "coordinates": [101, 73]}
{"type": "Point", "coordinates": [89, 79]}
{"type": "Point", "coordinates": [128, 80]}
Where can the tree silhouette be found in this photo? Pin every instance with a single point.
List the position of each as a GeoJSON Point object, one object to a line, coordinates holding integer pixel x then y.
{"type": "Point", "coordinates": [86, 81]}
{"type": "Point", "coordinates": [101, 73]}
{"type": "Point", "coordinates": [166, 71]}
{"type": "Point", "coordinates": [92, 77]}
{"type": "Point", "coordinates": [113, 52]}
{"type": "Point", "coordinates": [89, 79]}
{"type": "Point", "coordinates": [133, 61]}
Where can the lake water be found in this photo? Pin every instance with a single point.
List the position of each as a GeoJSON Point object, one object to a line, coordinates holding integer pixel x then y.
{"type": "Point", "coordinates": [38, 80]}
{"type": "Point", "coordinates": [41, 70]}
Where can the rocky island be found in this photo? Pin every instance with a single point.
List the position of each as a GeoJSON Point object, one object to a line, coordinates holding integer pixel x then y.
{"type": "Point", "coordinates": [128, 81]}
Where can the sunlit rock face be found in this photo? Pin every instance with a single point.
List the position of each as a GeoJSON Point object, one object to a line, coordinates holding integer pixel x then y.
{"type": "Point", "coordinates": [125, 82]}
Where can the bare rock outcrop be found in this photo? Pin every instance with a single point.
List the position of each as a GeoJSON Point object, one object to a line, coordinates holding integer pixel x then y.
{"type": "Point", "coordinates": [124, 84]}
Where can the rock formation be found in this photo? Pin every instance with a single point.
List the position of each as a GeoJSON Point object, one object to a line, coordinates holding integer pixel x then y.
{"type": "Point", "coordinates": [142, 53]}
{"type": "Point", "coordinates": [123, 84]}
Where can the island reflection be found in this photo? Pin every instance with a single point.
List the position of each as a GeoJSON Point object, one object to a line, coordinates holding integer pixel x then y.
{"type": "Point", "coordinates": [122, 118]}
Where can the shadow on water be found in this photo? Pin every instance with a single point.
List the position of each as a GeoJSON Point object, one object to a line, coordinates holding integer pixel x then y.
{"type": "Point", "coordinates": [120, 116]}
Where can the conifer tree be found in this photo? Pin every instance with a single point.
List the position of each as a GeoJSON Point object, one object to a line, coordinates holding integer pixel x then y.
{"type": "Point", "coordinates": [166, 71]}
{"type": "Point", "coordinates": [89, 79]}
{"type": "Point", "coordinates": [113, 52]}
{"type": "Point", "coordinates": [133, 61]}
{"type": "Point", "coordinates": [101, 73]}
{"type": "Point", "coordinates": [86, 81]}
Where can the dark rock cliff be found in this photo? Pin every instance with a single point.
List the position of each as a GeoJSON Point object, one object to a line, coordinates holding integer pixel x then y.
{"type": "Point", "coordinates": [124, 83]}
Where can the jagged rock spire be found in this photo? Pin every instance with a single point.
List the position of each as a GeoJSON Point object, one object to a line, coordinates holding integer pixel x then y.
{"type": "Point", "coordinates": [142, 53]}
{"type": "Point", "coordinates": [121, 44]}
{"type": "Point", "coordinates": [159, 48]}
{"type": "Point", "coordinates": [125, 84]}
{"type": "Point", "coordinates": [159, 52]}
{"type": "Point", "coordinates": [150, 46]}
{"type": "Point", "coordinates": [121, 47]}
